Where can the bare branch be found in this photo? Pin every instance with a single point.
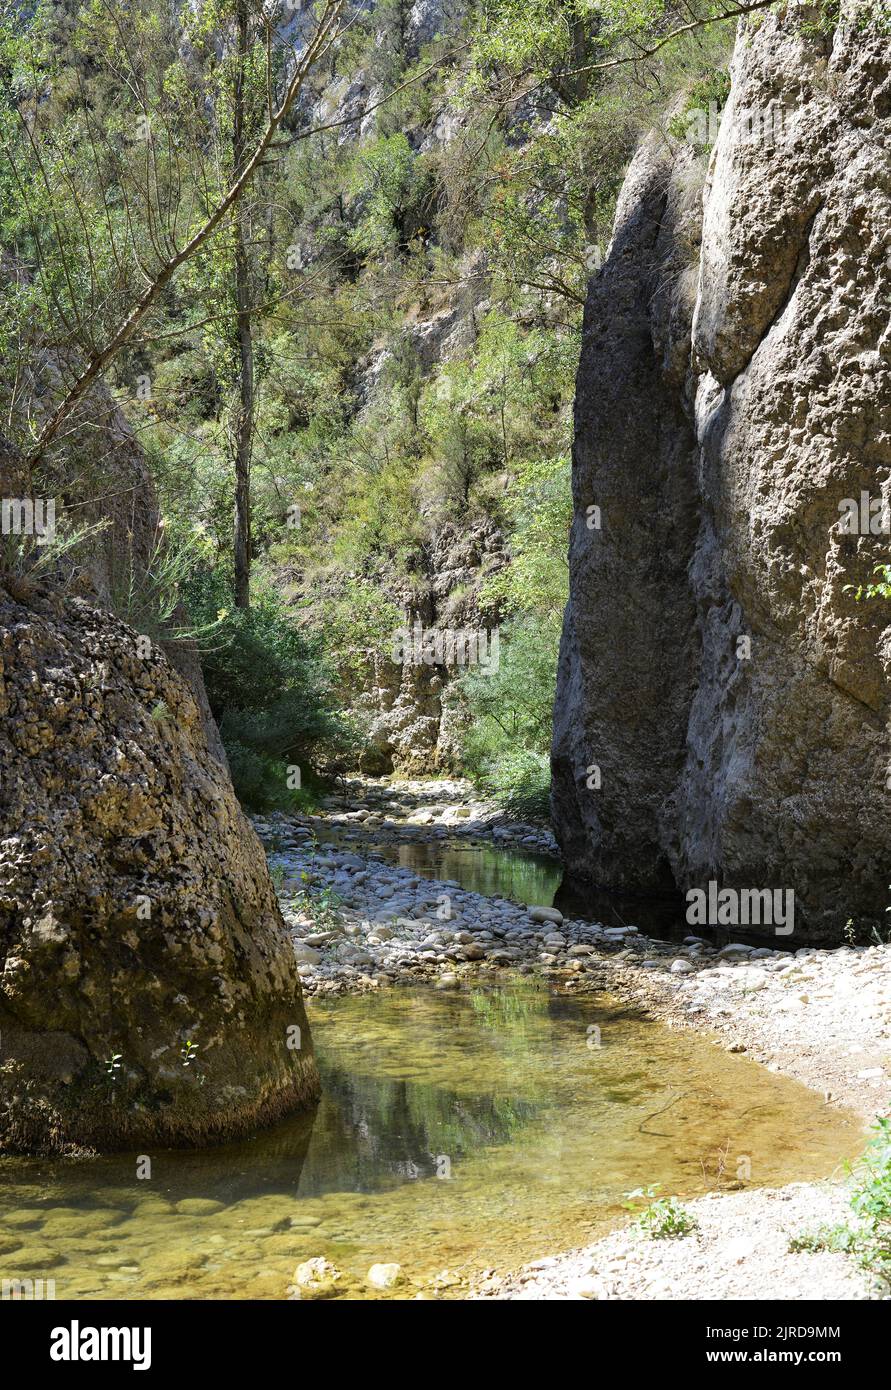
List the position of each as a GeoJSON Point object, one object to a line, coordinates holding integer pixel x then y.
{"type": "Point", "coordinates": [325, 34]}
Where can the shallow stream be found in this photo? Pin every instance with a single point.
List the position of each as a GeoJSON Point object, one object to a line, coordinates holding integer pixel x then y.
{"type": "Point", "coordinates": [458, 1130]}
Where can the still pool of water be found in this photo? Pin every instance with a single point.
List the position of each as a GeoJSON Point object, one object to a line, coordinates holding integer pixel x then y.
{"type": "Point", "coordinates": [458, 1130]}
{"type": "Point", "coordinates": [523, 876]}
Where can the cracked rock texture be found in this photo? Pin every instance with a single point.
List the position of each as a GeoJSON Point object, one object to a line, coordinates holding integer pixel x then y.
{"type": "Point", "coordinates": [412, 726]}
{"type": "Point", "coordinates": [734, 388]}
{"type": "Point", "coordinates": [137, 914]}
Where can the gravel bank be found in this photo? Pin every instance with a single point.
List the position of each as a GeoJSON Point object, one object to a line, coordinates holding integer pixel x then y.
{"type": "Point", "coordinates": [740, 1250]}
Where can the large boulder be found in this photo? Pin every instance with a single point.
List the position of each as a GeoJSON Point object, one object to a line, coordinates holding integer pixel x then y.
{"type": "Point", "coordinates": [716, 663]}
{"type": "Point", "coordinates": [148, 988]}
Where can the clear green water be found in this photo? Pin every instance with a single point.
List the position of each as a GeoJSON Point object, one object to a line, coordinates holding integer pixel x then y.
{"type": "Point", "coordinates": [523, 876]}
{"type": "Point", "coordinates": [537, 1136]}
{"type": "Point", "coordinates": [479, 868]}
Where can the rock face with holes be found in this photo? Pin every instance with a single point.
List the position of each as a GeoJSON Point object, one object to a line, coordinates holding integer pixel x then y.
{"type": "Point", "coordinates": [718, 676]}
{"type": "Point", "coordinates": [148, 989]}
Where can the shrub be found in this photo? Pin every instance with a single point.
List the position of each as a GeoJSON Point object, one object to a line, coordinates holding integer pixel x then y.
{"type": "Point", "coordinates": [261, 783]}
{"type": "Point", "coordinates": [872, 1202]}
{"type": "Point", "coordinates": [520, 782]}
{"type": "Point", "coordinates": [663, 1217]}
{"type": "Point", "coordinates": [870, 1241]}
{"type": "Point", "coordinates": [507, 720]}
{"type": "Point", "coordinates": [270, 691]}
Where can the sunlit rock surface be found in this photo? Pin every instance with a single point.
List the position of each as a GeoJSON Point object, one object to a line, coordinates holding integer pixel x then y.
{"type": "Point", "coordinates": [148, 989]}
{"type": "Point", "coordinates": [716, 667]}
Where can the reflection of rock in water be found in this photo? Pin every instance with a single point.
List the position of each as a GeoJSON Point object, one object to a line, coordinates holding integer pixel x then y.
{"type": "Point", "coordinates": [372, 1133]}
{"type": "Point", "coordinates": [661, 917]}
{"type": "Point", "coordinates": [368, 1134]}
{"type": "Point", "coordinates": [410, 1075]}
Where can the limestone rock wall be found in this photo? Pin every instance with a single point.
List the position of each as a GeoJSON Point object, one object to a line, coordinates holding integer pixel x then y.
{"type": "Point", "coordinates": [137, 916]}
{"type": "Point", "coordinates": [412, 726]}
{"type": "Point", "coordinates": [734, 389]}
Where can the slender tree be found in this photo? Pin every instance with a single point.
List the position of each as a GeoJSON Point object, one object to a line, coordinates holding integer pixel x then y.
{"type": "Point", "coordinates": [244, 424]}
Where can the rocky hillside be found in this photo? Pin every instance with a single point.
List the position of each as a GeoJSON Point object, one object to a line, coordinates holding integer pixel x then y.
{"type": "Point", "coordinates": [733, 402]}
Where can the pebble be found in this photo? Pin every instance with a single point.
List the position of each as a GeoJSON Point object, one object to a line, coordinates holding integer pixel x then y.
{"type": "Point", "coordinates": [546, 914]}
{"type": "Point", "coordinates": [199, 1206]}
{"type": "Point", "coordinates": [385, 1276]}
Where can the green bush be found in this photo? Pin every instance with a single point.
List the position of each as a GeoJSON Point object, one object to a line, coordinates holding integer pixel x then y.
{"type": "Point", "coordinates": [393, 189]}
{"type": "Point", "coordinates": [270, 691]}
{"type": "Point", "coordinates": [507, 719]}
{"type": "Point", "coordinates": [872, 1202]}
{"type": "Point", "coordinates": [870, 1240]}
{"type": "Point", "coordinates": [520, 782]}
{"type": "Point", "coordinates": [261, 783]}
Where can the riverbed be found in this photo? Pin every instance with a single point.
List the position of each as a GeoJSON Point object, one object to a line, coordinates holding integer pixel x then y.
{"type": "Point", "coordinates": [460, 1130]}
{"type": "Point", "coordinates": [497, 1078]}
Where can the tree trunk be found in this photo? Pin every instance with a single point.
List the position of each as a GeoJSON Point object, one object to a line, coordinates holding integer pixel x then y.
{"type": "Point", "coordinates": [244, 424]}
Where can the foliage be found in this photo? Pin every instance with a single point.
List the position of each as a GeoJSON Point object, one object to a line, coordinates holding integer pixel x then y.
{"type": "Point", "coordinates": [507, 719]}
{"type": "Point", "coordinates": [416, 279]}
{"type": "Point", "coordinates": [839, 1239]}
{"type": "Point", "coordinates": [871, 1202]}
{"type": "Point", "coordinates": [880, 588]}
{"type": "Point", "coordinates": [393, 190]}
{"type": "Point", "coordinates": [870, 1239]}
{"type": "Point", "coordinates": [539, 513]}
{"type": "Point", "coordinates": [706, 96]}
{"type": "Point", "coordinates": [269, 689]}
{"type": "Point", "coordinates": [358, 620]}
{"type": "Point", "coordinates": [518, 780]}
{"type": "Point", "coordinates": [663, 1218]}
{"type": "Point", "coordinates": [323, 906]}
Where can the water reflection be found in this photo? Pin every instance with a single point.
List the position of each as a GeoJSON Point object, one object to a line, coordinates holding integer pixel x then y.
{"type": "Point", "coordinates": [464, 1129]}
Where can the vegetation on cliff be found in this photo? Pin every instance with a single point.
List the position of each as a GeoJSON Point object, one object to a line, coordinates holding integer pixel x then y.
{"type": "Point", "coordinates": [378, 339]}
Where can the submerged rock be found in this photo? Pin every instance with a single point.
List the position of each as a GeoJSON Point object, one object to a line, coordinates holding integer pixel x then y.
{"type": "Point", "coordinates": [385, 1276]}
{"type": "Point", "coordinates": [148, 988]}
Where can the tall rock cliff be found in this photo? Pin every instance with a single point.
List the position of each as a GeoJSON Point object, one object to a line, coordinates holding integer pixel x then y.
{"type": "Point", "coordinates": [718, 678]}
